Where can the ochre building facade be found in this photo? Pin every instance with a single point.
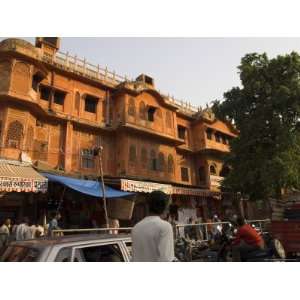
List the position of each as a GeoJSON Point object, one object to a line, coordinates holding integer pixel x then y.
{"type": "Point", "coordinates": [56, 109]}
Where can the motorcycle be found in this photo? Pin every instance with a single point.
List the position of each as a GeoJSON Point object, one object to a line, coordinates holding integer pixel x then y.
{"type": "Point", "coordinates": [273, 250]}
{"type": "Point", "coordinates": [187, 250]}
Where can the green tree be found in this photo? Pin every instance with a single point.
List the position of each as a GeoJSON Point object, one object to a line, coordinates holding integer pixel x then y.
{"type": "Point", "coordinates": [265, 157]}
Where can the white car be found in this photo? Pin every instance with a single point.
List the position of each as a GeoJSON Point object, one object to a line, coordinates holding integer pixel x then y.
{"type": "Point", "coordinates": [71, 248]}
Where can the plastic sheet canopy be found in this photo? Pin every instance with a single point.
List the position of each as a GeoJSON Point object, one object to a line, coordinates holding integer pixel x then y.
{"type": "Point", "coordinates": [88, 187]}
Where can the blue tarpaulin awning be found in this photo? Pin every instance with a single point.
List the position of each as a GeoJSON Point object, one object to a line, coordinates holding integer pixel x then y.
{"type": "Point", "coordinates": [88, 187]}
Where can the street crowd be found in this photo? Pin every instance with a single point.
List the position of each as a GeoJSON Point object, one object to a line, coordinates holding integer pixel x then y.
{"type": "Point", "coordinates": [152, 238]}
{"type": "Point", "coordinates": [25, 230]}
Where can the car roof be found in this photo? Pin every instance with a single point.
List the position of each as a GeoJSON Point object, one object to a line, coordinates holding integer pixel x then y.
{"type": "Point", "coordinates": [48, 241]}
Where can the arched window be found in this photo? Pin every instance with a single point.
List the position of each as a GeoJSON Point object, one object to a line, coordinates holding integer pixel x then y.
{"type": "Point", "coordinates": [29, 138]}
{"type": "Point", "coordinates": [161, 162]}
{"type": "Point", "coordinates": [132, 153]}
{"type": "Point", "coordinates": [77, 101]}
{"type": "Point", "coordinates": [144, 157]}
{"type": "Point", "coordinates": [131, 107]}
{"type": "Point", "coordinates": [14, 134]}
{"type": "Point", "coordinates": [142, 110]}
{"type": "Point", "coordinates": [153, 160]}
{"type": "Point", "coordinates": [168, 119]}
{"type": "Point", "coordinates": [170, 164]}
{"type": "Point", "coordinates": [213, 170]}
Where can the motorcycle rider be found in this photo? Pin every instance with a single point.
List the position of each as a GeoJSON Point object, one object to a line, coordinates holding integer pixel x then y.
{"type": "Point", "coordinates": [247, 240]}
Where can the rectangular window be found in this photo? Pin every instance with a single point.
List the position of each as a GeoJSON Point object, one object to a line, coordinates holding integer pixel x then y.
{"type": "Point", "coordinates": [153, 164]}
{"type": "Point", "coordinates": [181, 132]}
{"type": "Point", "coordinates": [150, 113]}
{"type": "Point", "coordinates": [224, 139]}
{"type": "Point", "coordinates": [209, 134]}
{"type": "Point", "coordinates": [102, 253]}
{"type": "Point", "coordinates": [36, 79]}
{"type": "Point", "coordinates": [59, 97]}
{"type": "Point", "coordinates": [129, 248]}
{"type": "Point", "coordinates": [184, 174]}
{"type": "Point", "coordinates": [90, 104]}
{"type": "Point", "coordinates": [45, 93]}
{"type": "Point", "coordinates": [87, 159]}
{"type": "Point", "coordinates": [64, 255]}
{"type": "Point", "coordinates": [218, 137]}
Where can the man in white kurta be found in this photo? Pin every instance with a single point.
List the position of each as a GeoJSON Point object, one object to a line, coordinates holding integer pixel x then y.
{"type": "Point", "coordinates": [23, 231]}
{"type": "Point", "coordinates": [152, 238]}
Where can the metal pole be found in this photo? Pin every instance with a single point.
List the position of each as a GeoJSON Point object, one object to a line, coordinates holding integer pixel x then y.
{"type": "Point", "coordinates": [260, 226]}
{"type": "Point", "coordinates": [92, 229]}
{"type": "Point", "coordinates": [103, 186]}
{"type": "Point", "coordinates": [206, 232]}
{"type": "Point", "coordinates": [61, 200]}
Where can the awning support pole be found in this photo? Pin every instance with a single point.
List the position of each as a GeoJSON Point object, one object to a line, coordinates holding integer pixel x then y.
{"type": "Point", "coordinates": [103, 186]}
{"type": "Point", "coordinates": [61, 200]}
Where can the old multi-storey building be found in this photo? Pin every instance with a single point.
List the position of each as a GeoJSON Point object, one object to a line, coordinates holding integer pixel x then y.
{"type": "Point", "coordinates": [56, 108]}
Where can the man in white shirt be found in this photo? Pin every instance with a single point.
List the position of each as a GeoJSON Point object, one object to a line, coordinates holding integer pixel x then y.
{"type": "Point", "coordinates": [23, 231]}
{"type": "Point", "coordinates": [4, 233]}
{"type": "Point", "coordinates": [152, 238]}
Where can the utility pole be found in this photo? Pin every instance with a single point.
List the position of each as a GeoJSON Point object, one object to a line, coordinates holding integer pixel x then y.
{"type": "Point", "coordinates": [98, 152]}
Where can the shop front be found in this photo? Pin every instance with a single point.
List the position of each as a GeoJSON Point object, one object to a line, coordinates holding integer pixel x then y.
{"type": "Point", "coordinates": [80, 202]}
{"type": "Point", "coordinates": [185, 202]}
{"type": "Point", "coordinates": [21, 187]}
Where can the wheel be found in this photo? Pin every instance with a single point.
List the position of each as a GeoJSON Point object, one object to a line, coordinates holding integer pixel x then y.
{"type": "Point", "coordinates": [278, 249]}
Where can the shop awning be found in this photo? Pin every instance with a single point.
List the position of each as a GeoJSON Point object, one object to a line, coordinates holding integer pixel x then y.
{"type": "Point", "coordinates": [144, 187]}
{"type": "Point", "coordinates": [88, 187]}
{"type": "Point", "coordinates": [18, 177]}
{"type": "Point", "coordinates": [148, 187]}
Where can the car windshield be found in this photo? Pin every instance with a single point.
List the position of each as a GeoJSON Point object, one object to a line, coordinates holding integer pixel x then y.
{"type": "Point", "coordinates": [20, 254]}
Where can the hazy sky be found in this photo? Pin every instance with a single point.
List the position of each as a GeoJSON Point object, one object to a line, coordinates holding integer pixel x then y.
{"type": "Point", "coordinates": [197, 70]}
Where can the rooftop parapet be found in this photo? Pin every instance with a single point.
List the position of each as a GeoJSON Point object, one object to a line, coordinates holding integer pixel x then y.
{"type": "Point", "coordinates": [82, 67]}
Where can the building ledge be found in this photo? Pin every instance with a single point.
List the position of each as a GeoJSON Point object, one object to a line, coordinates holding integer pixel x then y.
{"type": "Point", "coordinates": [185, 148]}
{"type": "Point", "coordinates": [52, 114]}
{"type": "Point", "coordinates": [149, 132]}
{"type": "Point", "coordinates": [211, 151]}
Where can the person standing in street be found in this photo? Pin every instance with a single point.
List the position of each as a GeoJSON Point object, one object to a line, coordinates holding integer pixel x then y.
{"type": "Point", "coordinates": [14, 230]}
{"type": "Point", "coordinates": [152, 238]}
{"type": "Point", "coordinates": [5, 233]}
{"type": "Point", "coordinates": [53, 225]}
{"type": "Point", "coordinates": [23, 231]}
{"type": "Point", "coordinates": [114, 223]}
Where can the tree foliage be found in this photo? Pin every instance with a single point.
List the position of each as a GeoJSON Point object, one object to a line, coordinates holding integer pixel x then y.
{"type": "Point", "coordinates": [265, 157]}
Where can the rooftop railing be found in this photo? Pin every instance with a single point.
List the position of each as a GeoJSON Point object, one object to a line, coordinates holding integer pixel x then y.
{"type": "Point", "coordinates": [82, 67]}
{"type": "Point", "coordinates": [185, 106]}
